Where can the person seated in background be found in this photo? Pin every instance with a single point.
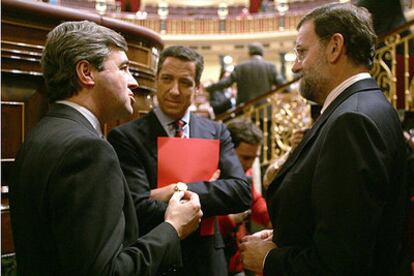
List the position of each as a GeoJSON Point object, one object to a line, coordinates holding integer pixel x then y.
{"type": "Point", "coordinates": [178, 79]}
{"type": "Point", "coordinates": [247, 139]}
{"type": "Point", "coordinates": [71, 210]}
{"type": "Point", "coordinates": [222, 100]}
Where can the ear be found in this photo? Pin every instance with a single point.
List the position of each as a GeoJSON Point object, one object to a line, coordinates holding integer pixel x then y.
{"type": "Point", "coordinates": [335, 47]}
{"type": "Point", "coordinates": [84, 72]}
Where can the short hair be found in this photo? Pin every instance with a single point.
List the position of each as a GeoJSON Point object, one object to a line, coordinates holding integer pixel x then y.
{"type": "Point", "coordinates": [244, 131]}
{"type": "Point", "coordinates": [69, 43]}
{"type": "Point", "coordinates": [352, 22]}
{"type": "Point", "coordinates": [185, 54]}
{"type": "Point", "coordinates": [255, 49]}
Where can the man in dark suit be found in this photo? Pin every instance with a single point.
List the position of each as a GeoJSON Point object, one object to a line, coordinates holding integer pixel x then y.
{"type": "Point", "coordinates": [253, 77]}
{"type": "Point", "coordinates": [338, 204]}
{"type": "Point", "coordinates": [71, 209]}
{"type": "Point", "coordinates": [178, 78]}
{"type": "Point", "coordinates": [224, 99]}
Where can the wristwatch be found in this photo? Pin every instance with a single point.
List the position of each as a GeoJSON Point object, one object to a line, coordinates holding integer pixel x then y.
{"type": "Point", "coordinates": [180, 187]}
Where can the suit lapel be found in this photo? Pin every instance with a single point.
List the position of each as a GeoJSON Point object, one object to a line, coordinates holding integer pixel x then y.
{"type": "Point", "coordinates": [153, 129]}
{"type": "Point", "coordinates": [198, 129]}
{"type": "Point", "coordinates": [360, 86]}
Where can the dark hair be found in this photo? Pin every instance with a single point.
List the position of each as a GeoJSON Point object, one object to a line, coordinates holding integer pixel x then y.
{"type": "Point", "coordinates": [183, 53]}
{"type": "Point", "coordinates": [69, 43]}
{"type": "Point", "coordinates": [255, 49]}
{"type": "Point", "coordinates": [352, 22]}
{"type": "Point", "coordinates": [244, 131]}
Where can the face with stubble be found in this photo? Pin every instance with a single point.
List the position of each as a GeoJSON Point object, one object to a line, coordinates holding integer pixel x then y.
{"type": "Point", "coordinates": [311, 63]}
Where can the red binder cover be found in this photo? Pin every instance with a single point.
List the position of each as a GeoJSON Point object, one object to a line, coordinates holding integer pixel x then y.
{"type": "Point", "coordinates": [188, 160]}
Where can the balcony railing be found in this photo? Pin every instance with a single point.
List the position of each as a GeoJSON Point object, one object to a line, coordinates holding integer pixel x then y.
{"type": "Point", "coordinates": [200, 25]}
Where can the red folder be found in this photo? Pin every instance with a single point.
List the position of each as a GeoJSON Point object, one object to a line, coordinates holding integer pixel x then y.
{"type": "Point", "coordinates": [188, 160]}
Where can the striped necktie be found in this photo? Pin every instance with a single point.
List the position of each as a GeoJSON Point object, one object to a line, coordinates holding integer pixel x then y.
{"type": "Point", "coordinates": [178, 126]}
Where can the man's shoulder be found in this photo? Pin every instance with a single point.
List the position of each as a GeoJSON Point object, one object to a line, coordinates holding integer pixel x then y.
{"type": "Point", "coordinates": [205, 126]}
{"type": "Point", "coordinates": [255, 63]}
{"type": "Point", "coordinates": [206, 122]}
{"type": "Point", "coordinates": [136, 124]}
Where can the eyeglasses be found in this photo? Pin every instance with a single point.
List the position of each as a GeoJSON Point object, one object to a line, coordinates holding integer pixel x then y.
{"type": "Point", "coordinates": [300, 54]}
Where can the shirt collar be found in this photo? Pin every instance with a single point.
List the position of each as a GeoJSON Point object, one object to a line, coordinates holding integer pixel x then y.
{"type": "Point", "coordinates": [256, 57]}
{"type": "Point", "coordinates": [86, 113]}
{"type": "Point", "coordinates": [341, 88]}
{"type": "Point", "coordinates": [166, 121]}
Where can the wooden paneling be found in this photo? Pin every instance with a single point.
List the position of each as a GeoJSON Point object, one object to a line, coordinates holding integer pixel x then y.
{"type": "Point", "coordinates": [7, 245]}
{"type": "Point", "coordinates": [12, 128]}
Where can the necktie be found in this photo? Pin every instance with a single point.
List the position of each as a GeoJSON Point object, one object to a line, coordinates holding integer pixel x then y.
{"type": "Point", "coordinates": [178, 126]}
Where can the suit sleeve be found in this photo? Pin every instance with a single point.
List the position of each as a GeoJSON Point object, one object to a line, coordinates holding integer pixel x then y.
{"type": "Point", "coordinates": [219, 102]}
{"type": "Point", "coordinates": [351, 184]}
{"type": "Point", "coordinates": [223, 83]}
{"type": "Point", "coordinates": [139, 176]}
{"type": "Point", "coordinates": [87, 198]}
{"type": "Point", "coordinates": [230, 193]}
{"type": "Point", "coordinates": [277, 78]}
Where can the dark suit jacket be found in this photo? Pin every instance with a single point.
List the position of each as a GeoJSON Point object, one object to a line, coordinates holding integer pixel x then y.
{"type": "Point", "coordinates": [71, 209]}
{"type": "Point", "coordinates": [338, 203]}
{"type": "Point", "coordinates": [219, 102]}
{"type": "Point", "coordinates": [136, 145]}
{"type": "Point", "coordinates": [253, 77]}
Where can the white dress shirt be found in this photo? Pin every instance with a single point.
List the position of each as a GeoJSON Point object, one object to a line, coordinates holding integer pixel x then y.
{"type": "Point", "coordinates": [341, 88]}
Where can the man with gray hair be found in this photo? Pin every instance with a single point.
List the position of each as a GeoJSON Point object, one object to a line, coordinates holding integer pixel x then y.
{"type": "Point", "coordinates": [338, 204]}
{"type": "Point", "coordinates": [71, 209]}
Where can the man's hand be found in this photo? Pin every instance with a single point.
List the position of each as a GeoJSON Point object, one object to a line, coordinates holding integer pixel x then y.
{"type": "Point", "coordinates": [266, 235]}
{"type": "Point", "coordinates": [240, 217]}
{"type": "Point", "coordinates": [184, 213]}
{"type": "Point", "coordinates": [409, 136]}
{"type": "Point", "coordinates": [254, 249]}
{"type": "Point", "coordinates": [215, 175]}
{"type": "Point", "coordinates": [164, 193]}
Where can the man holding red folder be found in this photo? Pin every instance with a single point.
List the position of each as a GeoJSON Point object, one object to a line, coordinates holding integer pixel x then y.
{"type": "Point", "coordinates": [148, 152]}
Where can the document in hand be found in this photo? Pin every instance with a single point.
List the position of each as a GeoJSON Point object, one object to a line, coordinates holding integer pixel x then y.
{"type": "Point", "coordinates": [188, 160]}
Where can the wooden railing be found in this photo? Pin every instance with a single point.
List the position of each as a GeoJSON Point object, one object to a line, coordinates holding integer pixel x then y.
{"type": "Point", "coordinates": [259, 23]}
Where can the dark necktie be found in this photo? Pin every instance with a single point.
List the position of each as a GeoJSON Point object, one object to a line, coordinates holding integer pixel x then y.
{"type": "Point", "coordinates": [178, 126]}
